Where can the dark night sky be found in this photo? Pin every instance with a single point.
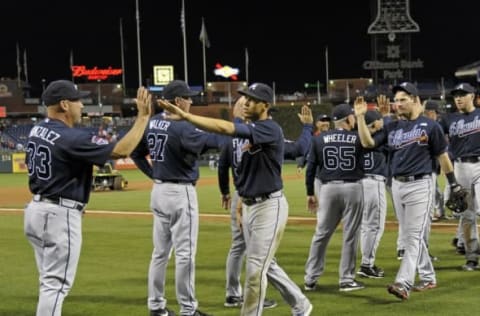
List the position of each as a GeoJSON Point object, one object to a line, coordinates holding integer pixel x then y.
{"type": "Point", "coordinates": [285, 41]}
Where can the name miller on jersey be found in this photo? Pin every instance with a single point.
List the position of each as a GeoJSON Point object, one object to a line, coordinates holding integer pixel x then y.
{"type": "Point", "coordinates": [45, 134]}
{"type": "Point", "coordinates": [340, 138]}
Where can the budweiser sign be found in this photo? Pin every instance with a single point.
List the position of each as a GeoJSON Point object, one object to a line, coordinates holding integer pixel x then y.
{"type": "Point", "coordinates": [95, 73]}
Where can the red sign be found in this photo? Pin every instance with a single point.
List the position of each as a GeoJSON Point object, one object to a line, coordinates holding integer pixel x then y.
{"type": "Point", "coordinates": [95, 73]}
{"type": "Point", "coordinates": [226, 71]}
{"type": "Point", "coordinates": [3, 111]}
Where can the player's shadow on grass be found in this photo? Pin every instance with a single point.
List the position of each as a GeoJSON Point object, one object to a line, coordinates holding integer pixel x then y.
{"type": "Point", "coordinates": [122, 300]}
{"type": "Point", "coordinates": [373, 299]}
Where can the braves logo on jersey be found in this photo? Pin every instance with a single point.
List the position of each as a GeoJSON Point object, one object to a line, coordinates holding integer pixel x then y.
{"type": "Point", "coordinates": [99, 140]}
{"type": "Point", "coordinates": [399, 139]}
{"type": "Point", "coordinates": [462, 129]}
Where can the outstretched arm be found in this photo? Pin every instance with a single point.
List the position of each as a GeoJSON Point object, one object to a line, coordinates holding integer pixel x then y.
{"type": "Point", "coordinates": [127, 144]}
{"type": "Point", "coordinates": [204, 123]}
{"type": "Point", "coordinates": [365, 137]}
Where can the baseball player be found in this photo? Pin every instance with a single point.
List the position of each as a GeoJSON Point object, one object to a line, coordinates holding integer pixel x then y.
{"type": "Point", "coordinates": [338, 156]}
{"type": "Point", "coordinates": [374, 199]}
{"type": "Point", "coordinates": [463, 131]}
{"type": "Point", "coordinates": [264, 207]}
{"type": "Point", "coordinates": [174, 148]}
{"type": "Point", "coordinates": [431, 110]}
{"type": "Point", "coordinates": [60, 162]}
{"type": "Point", "coordinates": [414, 141]}
{"type": "Point", "coordinates": [322, 124]}
{"type": "Point", "coordinates": [230, 157]}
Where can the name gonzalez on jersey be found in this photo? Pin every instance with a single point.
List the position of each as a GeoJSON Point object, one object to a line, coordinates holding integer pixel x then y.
{"type": "Point", "coordinates": [45, 134]}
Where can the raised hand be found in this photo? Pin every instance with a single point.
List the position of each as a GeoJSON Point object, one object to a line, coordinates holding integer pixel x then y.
{"type": "Point", "coordinates": [238, 107]}
{"type": "Point", "coordinates": [360, 106]}
{"type": "Point", "coordinates": [305, 115]}
{"type": "Point", "coordinates": [383, 103]}
{"type": "Point", "coordinates": [143, 101]}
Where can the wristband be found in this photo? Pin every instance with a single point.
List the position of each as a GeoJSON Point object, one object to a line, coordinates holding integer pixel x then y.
{"type": "Point", "coordinates": [451, 178]}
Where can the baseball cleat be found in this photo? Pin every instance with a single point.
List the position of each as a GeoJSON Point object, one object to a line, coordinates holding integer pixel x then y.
{"type": "Point", "coordinates": [351, 286]}
{"type": "Point", "coordinates": [162, 312]}
{"type": "Point", "coordinates": [309, 287]}
{"type": "Point", "coordinates": [398, 290]}
{"type": "Point", "coordinates": [307, 309]}
{"type": "Point", "coordinates": [371, 272]}
{"type": "Point", "coordinates": [233, 301]}
{"type": "Point", "coordinates": [199, 313]}
{"type": "Point", "coordinates": [470, 266]}
{"type": "Point", "coordinates": [460, 249]}
{"type": "Point", "coordinates": [400, 254]}
{"type": "Point", "coordinates": [237, 301]}
{"type": "Point", "coordinates": [424, 285]}
{"type": "Point", "coordinates": [267, 303]}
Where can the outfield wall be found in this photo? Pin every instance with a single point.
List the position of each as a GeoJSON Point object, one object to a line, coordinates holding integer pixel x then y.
{"type": "Point", "coordinates": [12, 163]}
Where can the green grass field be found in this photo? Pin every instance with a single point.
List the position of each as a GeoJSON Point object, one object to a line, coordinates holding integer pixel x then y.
{"type": "Point", "coordinates": [112, 274]}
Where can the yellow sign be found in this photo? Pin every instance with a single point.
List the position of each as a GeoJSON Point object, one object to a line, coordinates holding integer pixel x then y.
{"type": "Point", "coordinates": [18, 163]}
{"type": "Point", "coordinates": [162, 75]}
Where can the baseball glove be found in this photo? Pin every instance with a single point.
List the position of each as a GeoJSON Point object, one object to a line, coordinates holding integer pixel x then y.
{"type": "Point", "coordinates": [458, 199]}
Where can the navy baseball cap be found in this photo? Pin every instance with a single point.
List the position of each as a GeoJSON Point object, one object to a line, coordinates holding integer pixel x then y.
{"type": "Point", "coordinates": [372, 116]}
{"type": "Point", "coordinates": [431, 106]}
{"type": "Point", "coordinates": [408, 87]}
{"type": "Point", "coordinates": [259, 91]}
{"type": "Point", "coordinates": [60, 90]}
{"type": "Point", "coordinates": [323, 118]}
{"type": "Point", "coordinates": [462, 88]}
{"type": "Point", "coordinates": [342, 111]}
{"type": "Point", "coordinates": [177, 88]}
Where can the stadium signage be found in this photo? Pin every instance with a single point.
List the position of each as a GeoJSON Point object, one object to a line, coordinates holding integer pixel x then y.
{"type": "Point", "coordinates": [226, 71]}
{"type": "Point", "coordinates": [392, 69]}
{"type": "Point", "coordinates": [95, 73]}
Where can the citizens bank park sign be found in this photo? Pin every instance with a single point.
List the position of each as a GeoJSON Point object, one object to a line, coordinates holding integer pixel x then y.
{"type": "Point", "coordinates": [392, 69]}
{"type": "Point", "coordinates": [95, 73]}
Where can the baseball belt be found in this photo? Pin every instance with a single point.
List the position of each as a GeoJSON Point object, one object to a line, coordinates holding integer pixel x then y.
{"type": "Point", "coordinates": [68, 203]}
{"type": "Point", "coordinates": [258, 199]}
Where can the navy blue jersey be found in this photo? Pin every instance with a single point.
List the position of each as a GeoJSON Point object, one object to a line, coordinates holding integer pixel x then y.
{"type": "Point", "coordinates": [375, 160]}
{"type": "Point", "coordinates": [334, 155]}
{"type": "Point", "coordinates": [231, 154]}
{"type": "Point", "coordinates": [412, 145]}
{"type": "Point", "coordinates": [174, 148]}
{"type": "Point", "coordinates": [258, 148]}
{"type": "Point", "coordinates": [224, 164]}
{"type": "Point", "coordinates": [299, 148]}
{"type": "Point", "coordinates": [60, 160]}
{"type": "Point", "coordinates": [463, 130]}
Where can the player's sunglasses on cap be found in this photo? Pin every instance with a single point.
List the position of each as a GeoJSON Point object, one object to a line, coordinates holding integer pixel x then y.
{"type": "Point", "coordinates": [178, 88]}
{"type": "Point", "coordinates": [462, 89]}
{"type": "Point", "coordinates": [258, 91]}
{"type": "Point", "coordinates": [60, 90]}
